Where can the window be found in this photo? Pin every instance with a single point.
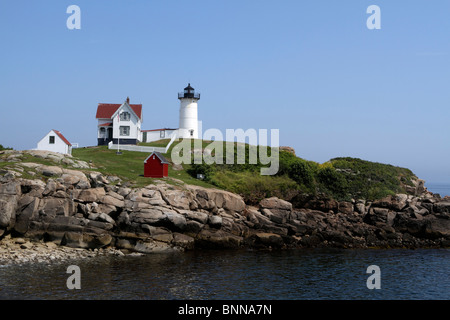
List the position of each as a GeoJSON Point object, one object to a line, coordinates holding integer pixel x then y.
{"type": "Point", "coordinates": [191, 132]}
{"type": "Point", "coordinates": [162, 134]}
{"type": "Point", "coordinates": [51, 140]}
{"type": "Point", "coordinates": [102, 132]}
{"type": "Point", "coordinates": [125, 116]}
{"type": "Point", "coordinates": [124, 130]}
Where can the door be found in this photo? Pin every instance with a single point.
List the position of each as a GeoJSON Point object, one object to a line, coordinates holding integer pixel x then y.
{"type": "Point", "coordinates": [109, 135]}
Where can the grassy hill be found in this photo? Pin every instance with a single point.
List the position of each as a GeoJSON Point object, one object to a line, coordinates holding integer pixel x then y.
{"type": "Point", "coordinates": [128, 166]}
{"type": "Point", "coordinates": [339, 178]}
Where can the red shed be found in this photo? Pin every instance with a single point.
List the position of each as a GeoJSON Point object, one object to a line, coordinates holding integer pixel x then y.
{"type": "Point", "coordinates": [156, 166]}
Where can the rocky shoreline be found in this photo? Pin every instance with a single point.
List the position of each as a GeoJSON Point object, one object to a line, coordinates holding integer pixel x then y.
{"type": "Point", "coordinates": [54, 208]}
{"type": "Point", "coordinates": [16, 251]}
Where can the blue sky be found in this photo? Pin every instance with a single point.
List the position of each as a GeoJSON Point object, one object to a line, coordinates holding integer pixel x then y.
{"type": "Point", "coordinates": [309, 68]}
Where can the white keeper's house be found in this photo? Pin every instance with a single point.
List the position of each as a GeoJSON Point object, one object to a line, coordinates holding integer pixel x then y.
{"type": "Point", "coordinates": [56, 142]}
{"type": "Point", "coordinates": [121, 123]}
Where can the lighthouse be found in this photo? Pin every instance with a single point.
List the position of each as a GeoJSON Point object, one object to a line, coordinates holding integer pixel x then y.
{"type": "Point", "coordinates": [188, 113]}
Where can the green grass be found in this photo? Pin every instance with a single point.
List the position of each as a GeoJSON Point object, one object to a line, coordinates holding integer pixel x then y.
{"type": "Point", "coordinates": [160, 143]}
{"type": "Point", "coordinates": [339, 178]}
{"type": "Point", "coordinates": [129, 166]}
{"type": "Point", "coordinates": [372, 180]}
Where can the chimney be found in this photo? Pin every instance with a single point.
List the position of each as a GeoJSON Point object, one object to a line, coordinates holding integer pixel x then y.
{"type": "Point", "coordinates": [128, 100]}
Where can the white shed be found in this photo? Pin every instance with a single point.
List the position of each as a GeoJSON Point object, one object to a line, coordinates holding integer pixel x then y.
{"type": "Point", "coordinates": [56, 142]}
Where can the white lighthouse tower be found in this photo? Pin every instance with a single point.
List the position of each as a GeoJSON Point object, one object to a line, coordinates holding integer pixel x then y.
{"type": "Point", "coordinates": [188, 113]}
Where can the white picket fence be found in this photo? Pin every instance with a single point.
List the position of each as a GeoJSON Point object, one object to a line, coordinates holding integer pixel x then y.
{"type": "Point", "coordinates": [128, 147]}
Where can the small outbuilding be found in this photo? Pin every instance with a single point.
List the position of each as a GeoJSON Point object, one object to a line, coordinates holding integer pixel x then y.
{"type": "Point", "coordinates": [56, 142]}
{"type": "Point", "coordinates": [156, 166]}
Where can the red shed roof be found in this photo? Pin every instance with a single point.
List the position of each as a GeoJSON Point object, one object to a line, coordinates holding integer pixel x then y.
{"type": "Point", "coordinates": [160, 157]}
{"type": "Point", "coordinates": [106, 110]}
{"type": "Point", "coordinates": [62, 137]}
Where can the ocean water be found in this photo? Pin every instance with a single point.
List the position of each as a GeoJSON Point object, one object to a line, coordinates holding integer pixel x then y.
{"type": "Point", "coordinates": [250, 275]}
{"type": "Point", "coordinates": [442, 188]}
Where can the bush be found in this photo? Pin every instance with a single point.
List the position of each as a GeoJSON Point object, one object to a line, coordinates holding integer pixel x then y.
{"type": "Point", "coordinates": [4, 148]}
{"type": "Point", "coordinates": [339, 178]}
{"type": "Point", "coordinates": [254, 187]}
{"type": "Point", "coordinates": [205, 169]}
{"type": "Point", "coordinates": [332, 182]}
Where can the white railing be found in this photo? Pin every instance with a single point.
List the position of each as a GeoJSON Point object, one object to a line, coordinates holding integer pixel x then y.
{"type": "Point", "coordinates": [174, 136]}
{"type": "Point", "coordinates": [127, 147]}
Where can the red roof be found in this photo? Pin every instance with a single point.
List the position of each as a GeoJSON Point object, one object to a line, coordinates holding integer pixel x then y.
{"type": "Point", "coordinates": [62, 137]}
{"type": "Point", "coordinates": [106, 110]}
{"type": "Point", "coordinates": [109, 124]}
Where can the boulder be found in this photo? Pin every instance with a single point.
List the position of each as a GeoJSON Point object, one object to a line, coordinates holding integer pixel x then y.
{"type": "Point", "coordinates": [105, 208]}
{"type": "Point", "coordinates": [123, 191]}
{"type": "Point", "coordinates": [396, 203]}
{"type": "Point", "coordinates": [198, 216]}
{"type": "Point", "coordinates": [105, 218]}
{"type": "Point", "coordinates": [92, 195]}
{"type": "Point", "coordinates": [227, 200]}
{"type": "Point", "coordinates": [50, 206]}
{"type": "Point", "coordinates": [437, 228]}
{"type": "Point", "coordinates": [257, 218]}
{"type": "Point", "coordinates": [217, 239]}
{"type": "Point", "coordinates": [177, 198]}
{"type": "Point", "coordinates": [159, 233]}
{"type": "Point", "coordinates": [215, 221]}
{"type": "Point", "coordinates": [10, 188]}
{"type": "Point", "coordinates": [279, 218]}
{"type": "Point", "coordinates": [275, 203]}
{"type": "Point", "coordinates": [265, 239]}
{"type": "Point", "coordinates": [72, 177]}
{"type": "Point", "coordinates": [33, 188]}
{"type": "Point", "coordinates": [147, 216]}
{"type": "Point", "coordinates": [150, 246]}
{"type": "Point", "coordinates": [97, 179]}
{"type": "Point", "coordinates": [360, 207]}
{"type": "Point", "coordinates": [277, 210]}
{"type": "Point", "coordinates": [184, 241]}
{"type": "Point", "coordinates": [84, 240]}
{"type": "Point", "coordinates": [345, 207]}
{"type": "Point", "coordinates": [442, 207]}
{"type": "Point", "coordinates": [175, 221]}
{"type": "Point", "coordinates": [50, 187]}
{"type": "Point", "coordinates": [321, 204]}
{"type": "Point", "coordinates": [28, 209]}
{"type": "Point", "coordinates": [376, 214]}
{"type": "Point", "coordinates": [193, 227]}
{"type": "Point", "coordinates": [50, 171]}
{"type": "Point", "coordinates": [112, 200]}
{"type": "Point", "coordinates": [288, 149]}
{"type": "Point", "coordinates": [210, 199]}
{"type": "Point", "coordinates": [8, 205]}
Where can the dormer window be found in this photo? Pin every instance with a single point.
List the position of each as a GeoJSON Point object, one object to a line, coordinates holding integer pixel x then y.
{"type": "Point", "coordinates": [125, 116]}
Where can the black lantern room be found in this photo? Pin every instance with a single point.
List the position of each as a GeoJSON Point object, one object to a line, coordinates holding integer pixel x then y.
{"type": "Point", "coordinates": [189, 92]}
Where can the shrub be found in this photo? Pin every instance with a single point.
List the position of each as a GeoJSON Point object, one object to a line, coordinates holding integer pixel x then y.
{"type": "Point", "coordinates": [4, 148]}
{"type": "Point", "coordinates": [332, 182]}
